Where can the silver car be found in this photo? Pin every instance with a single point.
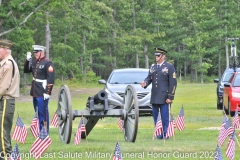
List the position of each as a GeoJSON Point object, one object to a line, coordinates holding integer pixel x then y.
{"type": "Point", "coordinates": [117, 82]}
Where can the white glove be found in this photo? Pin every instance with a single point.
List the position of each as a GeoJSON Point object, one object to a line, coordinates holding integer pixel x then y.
{"type": "Point", "coordinates": [46, 96]}
{"type": "Point", "coordinates": [29, 55]}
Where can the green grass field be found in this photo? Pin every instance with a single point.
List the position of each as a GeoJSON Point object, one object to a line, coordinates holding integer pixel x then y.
{"type": "Point", "coordinates": [197, 141]}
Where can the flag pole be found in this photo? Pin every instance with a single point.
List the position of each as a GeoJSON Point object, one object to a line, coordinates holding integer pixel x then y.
{"type": "Point", "coordinates": [85, 132]}
{"type": "Point", "coordinates": [234, 128]}
{"type": "Point", "coordinates": [162, 126]}
{"type": "Point", "coordinates": [169, 108]}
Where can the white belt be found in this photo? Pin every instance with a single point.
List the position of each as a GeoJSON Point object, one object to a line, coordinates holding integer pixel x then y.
{"type": "Point", "coordinates": [44, 82]}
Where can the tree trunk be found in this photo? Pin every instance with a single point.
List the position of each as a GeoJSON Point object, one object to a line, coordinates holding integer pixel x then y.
{"type": "Point", "coordinates": [114, 61]}
{"type": "Point", "coordinates": [134, 28]}
{"type": "Point", "coordinates": [146, 55]}
{"type": "Point", "coordinates": [185, 69]}
{"type": "Point", "coordinates": [227, 56]}
{"type": "Point", "coordinates": [219, 59]}
{"type": "Point", "coordinates": [137, 61]}
{"type": "Point", "coordinates": [200, 64]}
{"type": "Point", "coordinates": [82, 55]}
{"type": "Point", "coordinates": [48, 38]}
{"type": "Point", "coordinates": [90, 57]}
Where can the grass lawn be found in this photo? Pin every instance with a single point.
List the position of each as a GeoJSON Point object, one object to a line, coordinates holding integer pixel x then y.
{"type": "Point", "coordinates": [197, 141]}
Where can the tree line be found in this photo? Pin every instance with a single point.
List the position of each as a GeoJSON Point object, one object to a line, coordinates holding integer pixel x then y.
{"type": "Point", "coordinates": [99, 36]}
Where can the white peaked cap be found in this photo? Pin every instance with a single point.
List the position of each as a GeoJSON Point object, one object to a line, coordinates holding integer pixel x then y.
{"type": "Point", "coordinates": [38, 47]}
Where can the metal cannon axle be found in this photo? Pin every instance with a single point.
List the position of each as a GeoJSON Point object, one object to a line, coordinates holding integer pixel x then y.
{"type": "Point", "coordinates": [97, 107]}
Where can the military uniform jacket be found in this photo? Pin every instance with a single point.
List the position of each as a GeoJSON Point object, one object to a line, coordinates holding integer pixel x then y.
{"type": "Point", "coordinates": [9, 78]}
{"type": "Point", "coordinates": [43, 76]}
{"type": "Point", "coordinates": [163, 79]}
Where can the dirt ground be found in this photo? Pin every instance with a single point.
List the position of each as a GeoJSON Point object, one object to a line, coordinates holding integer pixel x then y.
{"type": "Point", "coordinates": [90, 91]}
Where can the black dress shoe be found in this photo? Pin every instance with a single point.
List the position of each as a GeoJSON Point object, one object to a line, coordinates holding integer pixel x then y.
{"type": "Point", "coordinates": [160, 137]}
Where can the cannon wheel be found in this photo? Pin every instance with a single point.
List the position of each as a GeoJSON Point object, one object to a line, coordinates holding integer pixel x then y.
{"type": "Point", "coordinates": [65, 115]}
{"type": "Point", "coordinates": [130, 114]}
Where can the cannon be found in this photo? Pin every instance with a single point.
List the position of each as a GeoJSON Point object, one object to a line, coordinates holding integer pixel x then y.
{"type": "Point", "coordinates": [97, 107]}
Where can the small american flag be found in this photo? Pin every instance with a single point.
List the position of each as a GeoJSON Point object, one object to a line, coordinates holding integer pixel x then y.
{"type": "Point", "coordinates": [41, 144]}
{"type": "Point", "coordinates": [81, 128]}
{"type": "Point", "coordinates": [117, 152]}
{"type": "Point", "coordinates": [170, 131]}
{"type": "Point", "coordinates": [236, 122]}
{"type": "Point", "coordinates": [15, 155]}
{"type": "Point", "coordinates": [54, 121]}
{"type": "Point", "coordinates": [120, 123]}
{"type": "Point", "coordinates": [180, 120]}
{"type": "Point", "coordinates": [218, 154]}
{"type": "Point", "coordinates": [225, 131]}
{"type": "Point", "coordinates": [158, 127]}
{"type": "Point", "coordinates": [20, 131]}
{"type": "Point", "coordinates": [230, 152]}
{"type": "Point", "coordinates": [34, 127]}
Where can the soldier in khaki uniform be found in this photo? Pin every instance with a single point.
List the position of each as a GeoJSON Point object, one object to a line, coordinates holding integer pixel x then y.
{"type": "Point", "coordinates": [9, 90]}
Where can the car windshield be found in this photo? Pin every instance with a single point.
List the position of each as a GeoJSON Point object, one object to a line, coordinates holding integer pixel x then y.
{"type": "Point", "coordinates": [128, 77]}
{"type": "Point", "coordinates": [236, 82]}
{"type": "Point", "coordinates": [227, 76]}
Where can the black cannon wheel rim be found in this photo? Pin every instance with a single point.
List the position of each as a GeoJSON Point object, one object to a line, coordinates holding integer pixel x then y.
{"type": "Point", "coordinates": [131, 114]}
{"type": "Point", "coordinates": [65, 116]}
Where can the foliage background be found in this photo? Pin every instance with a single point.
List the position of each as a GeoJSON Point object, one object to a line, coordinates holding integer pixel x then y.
{"type": "Point", "coordinates": [99, 36]}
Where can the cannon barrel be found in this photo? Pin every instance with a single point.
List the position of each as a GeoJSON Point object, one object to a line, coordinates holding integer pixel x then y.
{"type": "Point", "coordinates": [100, 97]}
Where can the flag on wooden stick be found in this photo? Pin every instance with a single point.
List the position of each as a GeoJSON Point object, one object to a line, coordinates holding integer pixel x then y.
{"type": "Point", "coordinates": [117, 152]}
{"type": "Point", "coordinates": [225, 131]}
{"type": "Point", "coordinates": [236, 122]}
{"type": "Point", "coordinates": [41, 144]}
{"type": "Point", "coordinates": [120, 123]}
{"type": "Point", "coordinates": [170, 130]}
{"type": "Point", "coordinates": [158, 127]}
{"type": "Point", "coordinates": [20, 131]}
{"type": "Point", "coordinates": [230, 152]}
{"type": "Point", "coordinates": [180, 120]}
{"type": "Point", "coordinates": [81, 129]}
{"type": "Point", "coordinates": [34, 127]}
{"type": "Point", "coordinates": [54, 121]}
{"type": "Point", "coordinates": [15, 155]}
{"type": "Point", "coordinates": [218, 154]}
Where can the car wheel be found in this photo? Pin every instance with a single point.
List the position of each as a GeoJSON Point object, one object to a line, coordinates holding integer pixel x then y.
{"type": "Point", "coordinates": [229, 109]}
{"type": "Point", "coordinates": [218, 105]}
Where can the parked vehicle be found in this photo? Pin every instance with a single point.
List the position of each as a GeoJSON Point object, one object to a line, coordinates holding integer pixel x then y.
{"type": "Point", "coordinates": [117, 82]}
{"type": "Point", "coordinates": [231, 94]}
{"type": "Point", "coordinates": [233, 67]}
{"type": "Point", "coordinates": [220, 86]}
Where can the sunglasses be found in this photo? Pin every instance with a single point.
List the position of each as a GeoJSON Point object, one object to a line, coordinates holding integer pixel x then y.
{"type": "Point", "coordinates": [158, 55]}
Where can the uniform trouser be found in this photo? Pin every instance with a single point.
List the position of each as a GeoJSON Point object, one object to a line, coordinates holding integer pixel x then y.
{"type": "Point", "coordinates": [43, 115]}
{"type": "Point", "coordinates": [7, 109]}
{"type": "Point", "coordinates": [164, 110]}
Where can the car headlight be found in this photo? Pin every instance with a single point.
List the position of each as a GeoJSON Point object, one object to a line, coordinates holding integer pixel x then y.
{"type": "Point", "coordinates": [236, 94]}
